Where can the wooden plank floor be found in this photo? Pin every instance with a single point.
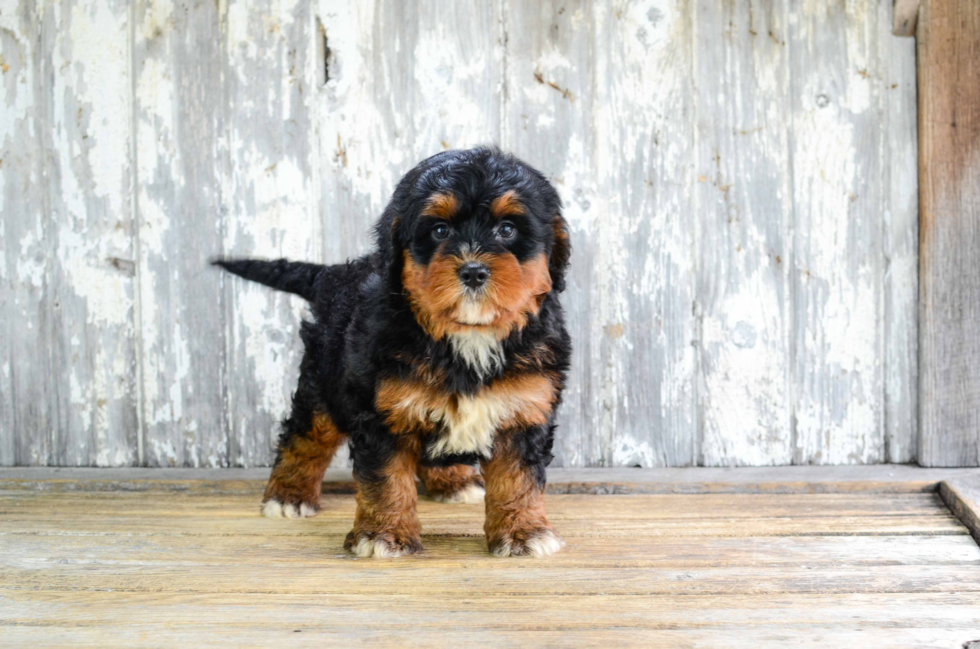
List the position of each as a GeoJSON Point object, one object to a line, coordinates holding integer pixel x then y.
{"type": "Point", "coordinates": [195, 567]}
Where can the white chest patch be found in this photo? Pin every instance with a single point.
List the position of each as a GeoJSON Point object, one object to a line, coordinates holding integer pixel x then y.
{"type": "Point", "coordinates": [479, 349]}
{"type": "Point", "coordinates": [470, 425]}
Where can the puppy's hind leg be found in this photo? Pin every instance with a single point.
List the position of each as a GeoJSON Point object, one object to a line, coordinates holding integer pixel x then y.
{"type": "Point", "coordinates": [456, 483]}
{"type": "Point", "coordinates": [307, 445]}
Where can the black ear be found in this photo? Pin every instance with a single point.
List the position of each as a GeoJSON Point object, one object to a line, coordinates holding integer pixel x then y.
{"type": "Point", "coordinates": [561, 251]}
{"type": "Point", "coordinates": [387, 233]}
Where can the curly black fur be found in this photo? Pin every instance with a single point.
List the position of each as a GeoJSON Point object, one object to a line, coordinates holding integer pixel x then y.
{"type": "Point", "coordinates": [364, 328]}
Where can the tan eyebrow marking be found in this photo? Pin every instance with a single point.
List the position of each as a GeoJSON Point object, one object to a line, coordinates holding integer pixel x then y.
{"type": "Point", "coordinates": [507, 204]}
{"type": "Point", "coordinates": [441, 206]}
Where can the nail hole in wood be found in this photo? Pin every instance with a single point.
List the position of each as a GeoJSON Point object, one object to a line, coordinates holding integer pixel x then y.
{"type": "Point", "coordinates": [323, 52]}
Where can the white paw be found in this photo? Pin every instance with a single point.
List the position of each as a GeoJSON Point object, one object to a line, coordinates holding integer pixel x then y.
{"type": "Point", "coordinates": [543, 544]}
{"type": "Point", "coordinates": [275, 509]}
{"type": "Point", "coordinates": [382, 549]}
{"type": "Point", "coordinates": [471, 493]}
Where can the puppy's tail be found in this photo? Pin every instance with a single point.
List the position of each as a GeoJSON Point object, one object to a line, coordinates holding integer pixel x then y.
{"type": "Point", "coordinates": [296, 277]}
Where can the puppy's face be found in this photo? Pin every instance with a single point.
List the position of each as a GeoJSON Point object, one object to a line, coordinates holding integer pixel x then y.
{"type": "Point", "coordinates": [481, 240]}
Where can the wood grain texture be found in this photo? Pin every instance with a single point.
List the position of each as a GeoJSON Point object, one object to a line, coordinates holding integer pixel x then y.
{"type": "Point", "coordinates": [883, 479]}
{"type": "Point", "coordinates": [962, 496]}
{"type": "Point", "coordinates": [638, 570]}
{"type": "Point", "coordinates": [69, 369]}
{"type": "Point", "coordinates": [270, 210]}
{"type": "Point", "coordinates": [642, 314]}
{"type": "Point", "coordinates": [178, 108]}
{"type": "Point", "coordinates": [906, 16]}
{"type": "Point", "coordinates": [948, 42]}
{"type": "Point", "coordinates": [739, 183]}
{"type": "Point", "coordinates": [900, 195]}
{"type": "Point", "coordinates": [548, 99]}
{"type": "Point", "coordinates": [838, 265]}
{"type": "Point", "coordinates": [24, 378]}
{"type": "Point", "coordinates": [746, 210]}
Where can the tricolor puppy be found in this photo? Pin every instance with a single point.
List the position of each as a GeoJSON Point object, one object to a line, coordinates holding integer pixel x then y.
{"type": "Point", "coordinates": [444, 348]}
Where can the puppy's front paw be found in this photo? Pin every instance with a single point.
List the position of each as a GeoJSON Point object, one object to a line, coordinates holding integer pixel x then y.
{"type": "Point", "coordinates": [469, 493]}
{"type": "Point", "coordinates": [381, 546]}
{"type": "Point", "coordinates": [527, 543]}
{"type": "Point", "coordinates": [273, 508]}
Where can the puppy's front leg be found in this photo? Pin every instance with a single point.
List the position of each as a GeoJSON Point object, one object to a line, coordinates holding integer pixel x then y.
{"type": "Point", "coordinates": [516, 524]}
{"type": "Point", "coordinates": [386, 523]}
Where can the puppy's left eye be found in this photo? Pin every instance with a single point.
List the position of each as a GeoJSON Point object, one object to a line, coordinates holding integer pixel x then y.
{"type": "Point", "coordinates": [440, 232]}
{"type": "Point", "coordinates": [506, 230]}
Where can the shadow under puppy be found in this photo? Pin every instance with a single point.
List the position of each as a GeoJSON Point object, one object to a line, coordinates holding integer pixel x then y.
{"type": "Point", "coordinates": [443, 348]}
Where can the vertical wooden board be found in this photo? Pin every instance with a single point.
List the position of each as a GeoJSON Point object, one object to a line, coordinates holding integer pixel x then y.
{"type": "Point", "coordinates": [27, 426]}
{"type": "Point", "coordinates": [178, 107]}
{"type": "Point", "coordinates": [900, 187]}
{"type": "Point", "coordinates": [548, 94]}
{"type": "Point", "coordinates": [838, 268]}
{"type": "Point", "coordinates": [948, 40]}
{"type": "Point", "coordinates": [88, 179]}
{"type": "Point", "coordinates": [270, 86]}
{"type": "Point", "coordinates": [405, 81]}
{"type": "Point", "coordinates": [644, 266]}
{"type": "Point", "coordinates": [744, 205]}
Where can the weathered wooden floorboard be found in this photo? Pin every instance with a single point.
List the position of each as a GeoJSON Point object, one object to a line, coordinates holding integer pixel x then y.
{"type": "Point", "coordinates": [701, 480]}
{"type": "Point", "coordinates": [84, 568]}
{"type": "Point", "coordinates": [962, 496]}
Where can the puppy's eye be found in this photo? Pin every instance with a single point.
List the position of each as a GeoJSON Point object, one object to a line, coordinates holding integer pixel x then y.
{"type": "Point", "coordinates": [506, 230]}
{"type": "Point", "coordinates": [440, 232]}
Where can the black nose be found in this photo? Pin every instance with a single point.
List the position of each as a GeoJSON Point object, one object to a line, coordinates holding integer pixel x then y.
{"type": "Point", "coordinates": [474, 274]}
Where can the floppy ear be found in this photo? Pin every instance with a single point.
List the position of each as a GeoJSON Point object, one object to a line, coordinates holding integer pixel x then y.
{"type": "Point", "coordinates": [387, 234]}
{"type": "Point", "coordinates": [561, 250]}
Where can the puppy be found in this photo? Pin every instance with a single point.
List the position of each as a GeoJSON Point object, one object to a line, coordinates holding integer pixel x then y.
{"type": "Point", "coordinates": [444, 348]}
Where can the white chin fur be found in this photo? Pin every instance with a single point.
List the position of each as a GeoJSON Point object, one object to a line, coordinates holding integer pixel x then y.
{"type": "Point", "coordinates": [472, 493]}
{"type": "Point", "coordinates": [376, 548]}
{"type": "Point", "coordinates": [275, 509]}
{"type": "Point", "coordinates": [472, 312]}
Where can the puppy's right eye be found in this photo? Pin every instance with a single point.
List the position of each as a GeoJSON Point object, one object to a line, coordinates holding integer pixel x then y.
{"type": "Point", "coordinates": [440, 232]}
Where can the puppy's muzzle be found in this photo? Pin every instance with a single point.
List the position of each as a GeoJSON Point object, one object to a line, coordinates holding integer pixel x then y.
{"type": "Point", "coordinates": [474, 274]}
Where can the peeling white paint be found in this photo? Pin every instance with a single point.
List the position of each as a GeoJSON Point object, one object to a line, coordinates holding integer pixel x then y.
{"type": "Point", "coordinates": [678, 359]}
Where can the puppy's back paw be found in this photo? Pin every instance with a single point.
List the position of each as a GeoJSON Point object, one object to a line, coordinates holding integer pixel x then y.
{"type": "Point", "coordinates": [273, 508]}
{"type": "Point", "coordinates": [536, 543]}
{"type": "Point", "coordinates": [469, 493]}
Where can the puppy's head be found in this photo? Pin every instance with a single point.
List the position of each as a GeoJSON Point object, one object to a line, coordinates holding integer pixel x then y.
{"type": "Point", "coordinates": [475, 240]}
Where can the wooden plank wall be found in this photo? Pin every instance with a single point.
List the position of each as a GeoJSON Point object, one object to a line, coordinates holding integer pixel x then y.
{"type": "Point", "coordinates": [949, 307]}
{"type": "Point", "coordinates": [739, 177]}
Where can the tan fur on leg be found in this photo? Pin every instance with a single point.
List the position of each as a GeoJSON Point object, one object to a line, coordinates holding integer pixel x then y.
{"type": "Point", "coordinates": [386, 523]}
{"type": "Point", "coordinates": [516, 524]}
{"type": "Point", "coordinates": [293, 490]}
